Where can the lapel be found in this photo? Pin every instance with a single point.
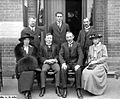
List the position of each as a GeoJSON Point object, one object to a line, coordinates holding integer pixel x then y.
{"type": "Point", "coordinates": [58, 29]}
{"type": "Point", "coordinates": [88, 33]}
{"type": "Point", "coordinates": [62, 27]}
{"type": "Point", "coordinates": [53, 49]}
{"type": "Point", "coordinates": [98, 49]}
{"type": "Point", "coordinates": [45, 48]}
{"type": "Point", "coordinates": [67, 49]}
{"type": "Point", "coordinates": [23, 51]}
{"type": "Point", "coordinates": [30, 50]}
{"type": "Point", "coordinates": [33, 32]}
{"type": "Point", "coordinates": [73, 47]}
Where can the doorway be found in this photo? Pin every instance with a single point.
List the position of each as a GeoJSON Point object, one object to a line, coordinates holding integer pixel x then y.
{"type": "Point", "coordinates": [74, 16]}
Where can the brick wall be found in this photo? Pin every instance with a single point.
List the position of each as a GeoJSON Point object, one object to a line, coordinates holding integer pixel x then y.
{"type": "Point", "coordinates": [10, 10]}
{"type": "Point", "coordinates": [113, 33]}
{"type": "Point", "coordinates": [8, 58]}
{"type": "Point", "coordinates": [11, 24]}
{"type": "Point", "coordinates": [107, 20]}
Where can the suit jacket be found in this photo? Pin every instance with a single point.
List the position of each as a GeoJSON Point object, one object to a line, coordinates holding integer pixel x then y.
{"type": "Point", "coordinates": [36, 34]}
{"type": "Point", "coordinates": [59, 35]}
{"type": "Point", "coordinates": [75, 57]}
{"type": "Point", "coordinates": [43, 52]}
{"type": "Point", "coordinates": [83, 38]}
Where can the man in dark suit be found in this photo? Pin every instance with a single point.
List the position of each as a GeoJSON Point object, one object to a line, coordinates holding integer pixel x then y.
{"type": "Point", "coordinates": [83, 38]}
{"type": "Point", "coordinates": [34, 31]}
{"type": "Point", "coordinates": [71, 57]}
{"type": "Point", "coordinates": [49, 57]}
{"type": "Point", "coordinates": [58, 29]}
{"type": "Point", "coordinates": [26, 59]}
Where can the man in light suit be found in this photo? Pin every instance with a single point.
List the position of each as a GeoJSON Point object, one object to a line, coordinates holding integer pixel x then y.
{"type": "Point", "coordinates": [71, 57]}
{"type": "Point", "coordinates": [49, 57]}
{"type": "Point", "coordinates": [58, 29]}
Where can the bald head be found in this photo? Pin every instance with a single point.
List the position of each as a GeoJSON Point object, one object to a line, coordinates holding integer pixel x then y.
{"type": "Point", "coordinates": [69, 36]}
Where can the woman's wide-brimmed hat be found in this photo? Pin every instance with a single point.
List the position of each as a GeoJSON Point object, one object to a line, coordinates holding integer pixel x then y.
{"type": "Point", "coordinates": [93, 36]}
{"type": "Point", "coordinates": [26, 36]}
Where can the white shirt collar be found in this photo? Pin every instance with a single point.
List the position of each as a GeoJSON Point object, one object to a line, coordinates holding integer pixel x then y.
{"type": "Point", "coordinates": [97, 44]}
{"type": "Point", "coordinates": [87, 28]}
{"type": "Point", "coordinates": [32, 28]}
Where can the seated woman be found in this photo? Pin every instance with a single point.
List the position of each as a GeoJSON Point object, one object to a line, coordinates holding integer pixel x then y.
{"type": "Point", "coordinates": [94, 76]}
{"type": "Point", "coordinates": [26, 58]}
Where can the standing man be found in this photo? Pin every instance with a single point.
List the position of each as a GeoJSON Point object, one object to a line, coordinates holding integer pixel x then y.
{"type": "Point", "coordinates": [83, 38]}
{"type": "Point", "coordinates": [71, 57]}
{"type": "Point", "coordinates": [34, 31]}
{"type": "Point", "coordinates": [49, 58]}
{"type": "Point", "coordinates": [58, 29]}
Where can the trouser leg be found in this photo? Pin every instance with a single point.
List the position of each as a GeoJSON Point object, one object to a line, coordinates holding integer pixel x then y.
{"type": "Point", "coordinates": [56, 68]}
{"type": "Point", "coordinates": [78, 78]}
{"type": "Point", "coordinates": [45, 68]}
{"type": "Point", "coordinates": [64, 77]}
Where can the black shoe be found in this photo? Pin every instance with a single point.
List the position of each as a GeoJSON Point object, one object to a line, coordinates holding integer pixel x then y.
{"type": "Point", "coordinates": [42, 92]}
{"type": "Point", "coordinates": [79, 94]}
{"type": "Point", "coordinates": [64, 93]}
{"type": "Point", "coordinates": [58, 91]}
{"type": "Point", "coordinates": [29, 95]}
{"type": "Point", "coordinates": [26, 95]}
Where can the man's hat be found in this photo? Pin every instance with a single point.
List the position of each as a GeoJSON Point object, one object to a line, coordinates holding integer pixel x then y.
{"type": "Point", "coordinates": [26, 36]}
{"type": "Point", "coordinates": [93, 36]}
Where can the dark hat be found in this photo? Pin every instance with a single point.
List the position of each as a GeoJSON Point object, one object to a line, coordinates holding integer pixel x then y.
{"type": "Point", "coordinates": [26, 36]}
{"type": "Point", "coordinates": [92, 36]}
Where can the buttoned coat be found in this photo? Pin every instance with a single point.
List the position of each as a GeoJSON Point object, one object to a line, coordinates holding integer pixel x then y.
{"type": "Point", "coordinates": [83, 38]}
{"type": "Point", "coordinates": [75, 57]}
{"type": "Point", "coordinates": [59, 35]}
{"type": "Point", "coordinates": [43, 52]}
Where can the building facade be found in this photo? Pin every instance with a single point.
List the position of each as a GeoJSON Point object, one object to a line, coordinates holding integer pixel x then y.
{"type": "Point", "coordinates": [104, 16]}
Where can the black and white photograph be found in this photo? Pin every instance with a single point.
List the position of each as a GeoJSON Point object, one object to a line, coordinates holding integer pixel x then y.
{"type": "Point", "coordinates": [59, 49]}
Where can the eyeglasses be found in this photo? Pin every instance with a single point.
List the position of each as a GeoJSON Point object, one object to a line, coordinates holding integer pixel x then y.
{"type": "Point", "coordinates": [59, 16]}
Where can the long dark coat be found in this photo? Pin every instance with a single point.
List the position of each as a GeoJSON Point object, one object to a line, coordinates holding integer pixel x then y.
{"type": "Point", "coordinates": [85, 42]}
{"type": "Point", "coordinates": [25, 62]}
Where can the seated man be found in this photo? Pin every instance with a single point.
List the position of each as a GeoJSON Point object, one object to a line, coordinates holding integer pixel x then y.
{"type": "Point", "coordinates": [71, 57]}
{"type": "Point", "coordinates": [25, 54]}
{"type": "Point", "coordinates": [49, 58]}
